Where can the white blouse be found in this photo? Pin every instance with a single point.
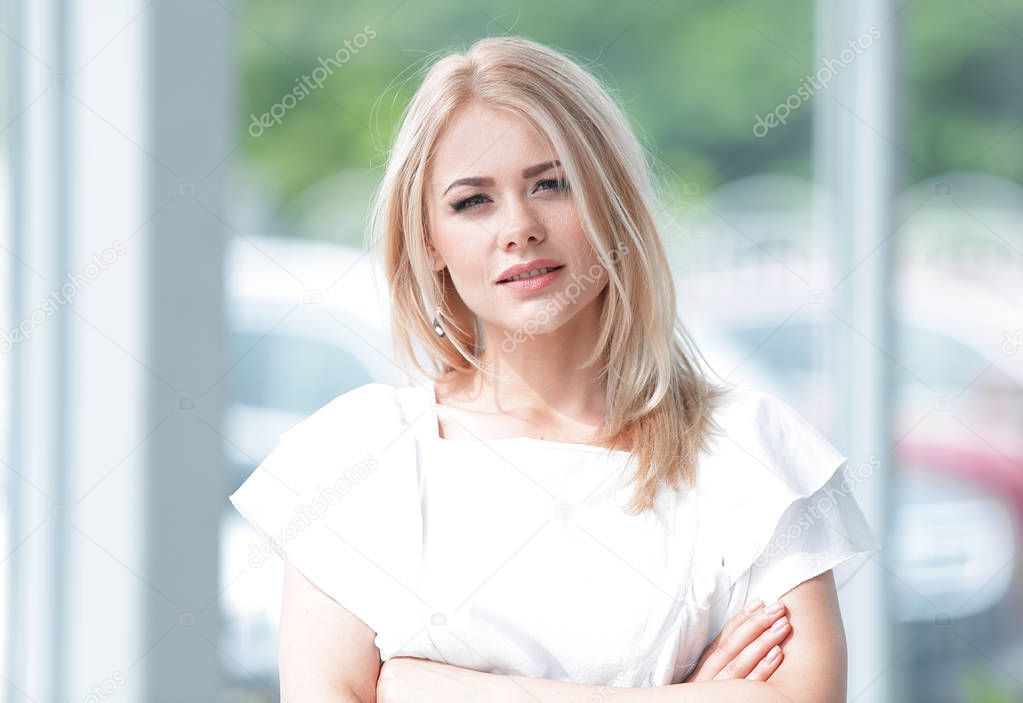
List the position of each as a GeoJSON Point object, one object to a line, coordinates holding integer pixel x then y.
{"type": "Point", "coordinates": [514, 555]}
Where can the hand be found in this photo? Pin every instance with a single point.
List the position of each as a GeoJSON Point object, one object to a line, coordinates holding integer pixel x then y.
{"type": "Point", "coordinates": [746, 648]}
{"type": "Point", "coordinates": [406, 679]}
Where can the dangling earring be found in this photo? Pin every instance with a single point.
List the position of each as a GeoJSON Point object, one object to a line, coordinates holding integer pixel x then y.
{"type": "Point", "coordinates": [438, 330]}
{"type": "Point", "coordinates": [436, 324]}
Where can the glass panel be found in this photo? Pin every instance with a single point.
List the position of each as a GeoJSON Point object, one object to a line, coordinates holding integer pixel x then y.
{"type": "Point", "coordinates": [959, 588]}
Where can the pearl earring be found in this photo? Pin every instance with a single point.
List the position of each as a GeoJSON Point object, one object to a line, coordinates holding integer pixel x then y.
{"type": "Point", "coordinates": [436, 324]}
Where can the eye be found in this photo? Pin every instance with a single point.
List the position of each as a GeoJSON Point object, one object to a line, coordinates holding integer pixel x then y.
{"type": "Point", "coordinates": [556, 183]}
{"type": "Point", "coordinates": [478, 199]}
{"type": "Point", "coordinates": [469, 202]}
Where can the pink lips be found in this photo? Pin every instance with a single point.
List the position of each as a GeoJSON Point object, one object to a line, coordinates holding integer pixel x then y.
{"type": "Point", "coordinates": [527, 267]}
{"type": "Point", "coordinates": [534, 283]}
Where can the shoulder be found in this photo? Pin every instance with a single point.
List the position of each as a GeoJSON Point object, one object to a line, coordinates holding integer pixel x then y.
{"type": "Point", "coordinates": [766, 443]}
{"type": "Point", "coordinates": [357, 438]}
{"type": "Point", "coordinates": [767, 458]}
{"type": "Point", "coordinates": [339, 497]}
{"type": "Point", "coordinates": [364, 412]}
{"type": "Point", "coordinates": [749, 408]}
{"type": "Point", "coordinates": [357, 431]}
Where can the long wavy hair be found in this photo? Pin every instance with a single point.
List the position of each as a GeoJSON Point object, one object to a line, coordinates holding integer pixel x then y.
{"type": "Point", "coordinates": [658, 398]}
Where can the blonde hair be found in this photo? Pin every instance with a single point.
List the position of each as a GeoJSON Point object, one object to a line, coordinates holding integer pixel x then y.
{"type": "Point", "coordinates": [657, 397]}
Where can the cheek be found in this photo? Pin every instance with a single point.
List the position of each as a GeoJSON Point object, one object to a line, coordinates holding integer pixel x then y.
{"type": "Point", "coordinates": [447, 237]}
{"type": "Point", "coordinates": [575, 237]}
{"type": "Point", "coordinates": [466, 258]}
{"type": "Point", "coordinates": [573, 234]}
{"type": "Point", "coordinates": [590, 266]}
{"type": "Point", "coordinates": [565, 217]}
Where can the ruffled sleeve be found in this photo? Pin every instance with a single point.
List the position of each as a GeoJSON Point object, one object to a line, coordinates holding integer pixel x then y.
{"type": "Point", "coordinates": [779, 505]}
{"type": "Point", "coordinates": [338, 498]}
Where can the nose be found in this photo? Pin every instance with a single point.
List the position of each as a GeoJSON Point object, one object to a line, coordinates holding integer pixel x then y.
{"type": "Point", "coordinates": [522, 226]}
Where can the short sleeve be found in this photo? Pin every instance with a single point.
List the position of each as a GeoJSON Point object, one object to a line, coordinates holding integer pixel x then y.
{"type": "Point", "coordinates": [338, 498]}
{"type": "Point", "coordinates": [781, 505]}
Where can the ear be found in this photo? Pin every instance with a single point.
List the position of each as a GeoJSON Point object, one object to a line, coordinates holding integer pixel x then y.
{"type": "Point", "coordinates": [436, 260]}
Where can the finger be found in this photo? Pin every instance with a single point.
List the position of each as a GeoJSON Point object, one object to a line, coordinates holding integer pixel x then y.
{"type": "Point", "coordinates": [743, 635]}
{"type": "Point", "coordinates": [741, 630]}
{"type": "Point", "coordinates": [750, 629]}
{"type": "Point", "coordinates": [706, 667]}
{"type": "Point", "coordinates": [747, 612]}
{"type": "Point", "coordinates": [767, 666]}
{"type": "Point", "coordinates": [745, 661]}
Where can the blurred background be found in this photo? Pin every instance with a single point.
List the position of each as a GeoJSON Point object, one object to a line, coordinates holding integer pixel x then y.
{"type": "Point", "coordinates": [184, 277]}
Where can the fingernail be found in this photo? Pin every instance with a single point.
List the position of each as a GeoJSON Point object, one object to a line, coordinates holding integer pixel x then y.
{"type": "Point", "coordinates": [780, 625]}
{"type": "Point", "coordinates": [751, 607]}
{"type": "Point", "coordinates": [775, 651]}
{"type": "Point", "coordinates": [774, 608]}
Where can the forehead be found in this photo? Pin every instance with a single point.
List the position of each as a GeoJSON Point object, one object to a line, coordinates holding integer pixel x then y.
{"type": "Point", "coordinates": [481, 141]}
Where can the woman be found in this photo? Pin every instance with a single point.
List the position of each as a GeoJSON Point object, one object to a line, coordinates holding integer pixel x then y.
{"type": "Point", "coordinates": [568, 507]}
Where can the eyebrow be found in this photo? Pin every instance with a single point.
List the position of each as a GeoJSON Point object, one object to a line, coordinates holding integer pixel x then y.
{"type": "Point", "coordinates": [526, 173]}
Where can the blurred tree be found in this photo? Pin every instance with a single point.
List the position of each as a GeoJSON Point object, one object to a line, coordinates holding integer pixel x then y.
{"type": "Point", "coordinates": [692, 76]}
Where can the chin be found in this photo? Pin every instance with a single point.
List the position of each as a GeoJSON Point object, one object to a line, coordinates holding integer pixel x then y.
{"type": "Point", "coordinates": [527, 327]}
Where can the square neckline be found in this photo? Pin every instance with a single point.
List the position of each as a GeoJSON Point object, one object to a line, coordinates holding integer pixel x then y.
{"type": "Point", "coordinates": [434, 408]}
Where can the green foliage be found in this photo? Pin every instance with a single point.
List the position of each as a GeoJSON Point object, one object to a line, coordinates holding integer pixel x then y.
{"type": "Point", "coordinates": [692, 77]}
{"type": "Point", "coordinates": [978, 687]}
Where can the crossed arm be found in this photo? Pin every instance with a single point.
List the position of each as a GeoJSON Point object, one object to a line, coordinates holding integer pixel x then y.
{"type": "Point", "coordinates": [328, 655]}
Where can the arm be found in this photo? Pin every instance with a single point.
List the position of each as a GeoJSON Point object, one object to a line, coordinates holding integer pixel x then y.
{"type": "Point", "coordinates": [327, 655]}
{"type": "Point", "coordinates": [408, 680]}
{"type": "Point", "coordinates": [736, 691]}
{"type": "Point", "coordinates": [813, 670]}
{"type": "Point", "coordinates": [816, 658]}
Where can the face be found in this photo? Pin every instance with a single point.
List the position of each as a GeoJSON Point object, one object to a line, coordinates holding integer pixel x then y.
{"type": "Point", "coordinates": [496, 198]}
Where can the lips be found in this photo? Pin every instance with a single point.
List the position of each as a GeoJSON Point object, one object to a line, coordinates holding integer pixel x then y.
{"type": "Point", "coordinates": [518, 269]}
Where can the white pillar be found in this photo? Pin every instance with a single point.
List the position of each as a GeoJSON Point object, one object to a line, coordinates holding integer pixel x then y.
{"type": "Point", "coordinates": [115, 403]}
{"type": "Point", "coordinates": [855, 159]}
